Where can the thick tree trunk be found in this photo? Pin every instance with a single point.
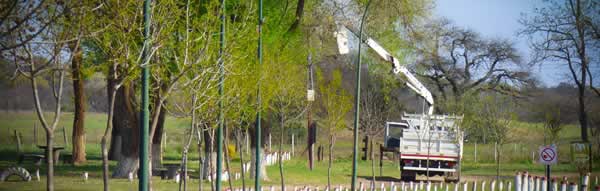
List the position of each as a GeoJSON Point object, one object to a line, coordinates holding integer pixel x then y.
{"type": "Point", "coordinates": [125, 120]}
{"type": "Point", "coordinates": [157, 155]}
{"type": "Point", "coordinates": [78, 136]}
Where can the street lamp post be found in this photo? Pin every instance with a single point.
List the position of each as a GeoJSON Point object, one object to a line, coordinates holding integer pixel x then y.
{"type": "Point", "coordinates": [357, 100]}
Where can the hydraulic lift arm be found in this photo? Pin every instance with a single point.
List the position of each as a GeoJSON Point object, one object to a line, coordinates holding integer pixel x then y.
{"type": "Point", "coordinates": [411, 81]}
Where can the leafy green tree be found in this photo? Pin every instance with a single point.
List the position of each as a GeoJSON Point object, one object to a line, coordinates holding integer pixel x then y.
{"type": "Point", "coordinates": [336, 103]}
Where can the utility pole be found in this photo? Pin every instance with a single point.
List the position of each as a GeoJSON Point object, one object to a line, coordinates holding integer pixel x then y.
{"type": "Point", "coordinates": [221, 81]}
{"type": "Point", "coordinates": [143, 147]}
{"type": "Point", "coordinates": [258, 110]}
{"type": "Point", "coordinates": [357, 101]}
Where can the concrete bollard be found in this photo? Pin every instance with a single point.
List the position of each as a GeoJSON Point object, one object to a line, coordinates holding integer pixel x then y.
{"type": "Point", "coordinates": [493, 185]}
{"type": "Point", "coordinates": [563, 186]}
{"type": "Point", "coordinates": [537, 186]}
{"type": "Point", "coordinates": [412, 185]}
{"type": "Point", "coordinates": [474, 186]}
{"type": "Point", "coordinates": [531, 183]}
{"type": "Point", "coordinates": [447, 187]}
{"type": "Point", "coordinates": [435, 187]}
{"type": "Point", "coordinates": [518, 182]}
{"type": "Point", "coordinates": [466, 186]}
{"type": "Point", "coordinates": [500, 186]}
{"type": "Point", "coordinates": [509, 186]}
{"type": "Point", "coordinates": [456, 185]}
{"type": "Point", "coordinates": [85, 176]}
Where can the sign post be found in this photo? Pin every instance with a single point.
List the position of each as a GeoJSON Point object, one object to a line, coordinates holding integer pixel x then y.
{"type": "Point", "coordinates": [548, 155]}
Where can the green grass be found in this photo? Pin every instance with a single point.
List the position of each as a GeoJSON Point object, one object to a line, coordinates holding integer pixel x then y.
{"type": "Point", "coordinates": [525, 138]}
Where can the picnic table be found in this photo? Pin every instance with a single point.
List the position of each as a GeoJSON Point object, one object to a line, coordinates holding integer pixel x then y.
{"type": "Point", "coordinates": [55, 149]}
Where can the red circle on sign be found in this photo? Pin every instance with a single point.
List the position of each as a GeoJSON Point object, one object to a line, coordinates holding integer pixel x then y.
{"type": "Point", "coordinates": [548, 154]}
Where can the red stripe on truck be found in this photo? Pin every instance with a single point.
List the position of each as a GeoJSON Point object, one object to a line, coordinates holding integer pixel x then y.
{"type": "Point", "coordinates": [430, 156]}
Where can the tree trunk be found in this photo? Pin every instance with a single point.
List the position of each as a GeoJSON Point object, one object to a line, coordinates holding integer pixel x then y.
{"type": "Point", "coordinates": [50, 160]}
{"type": "Point", "coordinates": [265, 129]}
{"type": "Point", "coordinates": [280, 158]}
{"type": "Point", "coordinates": [78, 136]}
{"type": "Point", "coordinates": [373, 181]}
{"type": "Point", "coordinates": [157, 155]}
{"type": "Point", "coordinates": [241, 158]}
{"type": "Point", "coordinates": [109, 124]}
{"type": "Point", "coordinates": [126, 121]}
{"type": "Point", "coordinates": [299, 13]}
{"type": "Point", "coordinates": [331, 142]}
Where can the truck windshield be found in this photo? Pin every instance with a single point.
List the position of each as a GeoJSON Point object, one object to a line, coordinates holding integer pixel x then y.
{"type": "Point", "coordinates": [396, 131]}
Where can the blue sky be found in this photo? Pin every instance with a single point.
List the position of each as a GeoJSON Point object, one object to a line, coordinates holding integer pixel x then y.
{"type": "Point", "coordinates": [499, 18]}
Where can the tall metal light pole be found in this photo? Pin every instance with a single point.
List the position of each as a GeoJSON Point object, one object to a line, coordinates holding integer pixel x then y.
{"type": "Point", "coordinates": [258, 109]}
{"type": "Point", "coordinates": [357, 100]}
{"type": "Point", "coordinates": [143, 147]}
{"type": "Point", "coordinates": [221, 81]}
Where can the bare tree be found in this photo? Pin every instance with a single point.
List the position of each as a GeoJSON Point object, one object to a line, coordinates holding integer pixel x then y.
{"type": "Point", "coordinates": [565, 32]}
{"type": "Point", "coordinates": [459, 61]}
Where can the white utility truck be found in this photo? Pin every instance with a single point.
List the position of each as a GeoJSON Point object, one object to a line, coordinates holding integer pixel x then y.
{"type": "Point", "coordinates": [426, 144]}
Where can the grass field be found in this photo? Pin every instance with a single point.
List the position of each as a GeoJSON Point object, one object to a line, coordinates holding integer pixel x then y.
{"type": "Point", "coordinates": [516, 156]}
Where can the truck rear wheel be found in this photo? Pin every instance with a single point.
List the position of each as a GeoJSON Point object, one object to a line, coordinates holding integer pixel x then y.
{"type": "Point", "coordinates": [408, 175]}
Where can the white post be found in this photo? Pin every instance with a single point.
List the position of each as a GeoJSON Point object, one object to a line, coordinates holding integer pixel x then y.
{"type": "Point", "coordinates": [518, 181]}
{"type": "Point", "coordinates": [130, 176]}
{"type": "Point", "coordinates": [85, 176]}
{"type": "Point", "coordinates": [37, 174]}
{"type": "Point", "coordinates": [563, 186]}
{"type": "Point", "coordinates": [435, 187]}
{"type": "Point", "coordinates": [270, 142]}
{"type": "Point", "coordinates": [428, 187]}
{"type": "Point", "coordinates": [531, 183]}
{"type": "Point", "coordinates": [456, 186]}
{"type": "Point", "coordinates": [293, 144]}
{"type": "Point", "coordinates": [537, 183]}
{"type": "Point", "coordinates": [382, 186]}
{"type": "Point", "coordinates": [465, 186]}
{"type": "Point", "coordinates": [586, 182]}
{"type": "Point", "coordinates": [525, 181]}
{"type": "Point", "coordinates": [509, 186]}
{"type": "Point", "coordinates": [360, 185]}
{"type": "Point", "coordinates": [544, 184]}
{"type": "Point", "coordinates": [500, 186]}
{"type": "Point", "coordinates": [482, 186]}
{"type": "Point", "coordinates": [493, 185]}
{"type": "Point", "coordinates": [554, 186]}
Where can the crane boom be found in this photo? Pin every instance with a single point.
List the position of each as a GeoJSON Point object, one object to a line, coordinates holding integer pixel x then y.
{"type": "Point", "coordinates": [411, 81]}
